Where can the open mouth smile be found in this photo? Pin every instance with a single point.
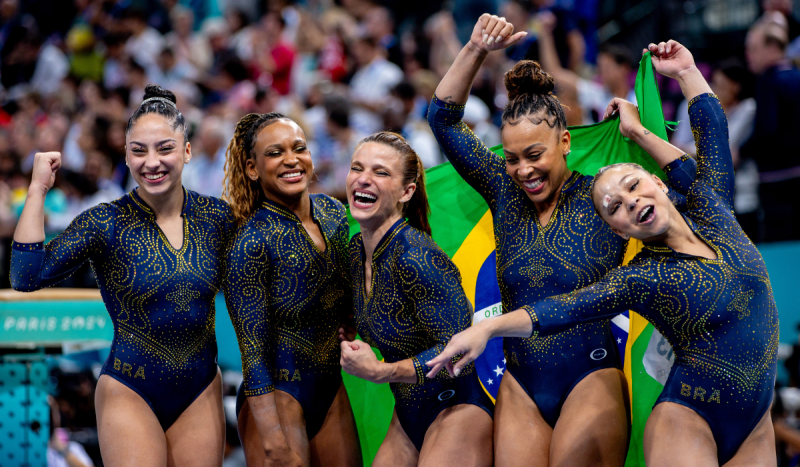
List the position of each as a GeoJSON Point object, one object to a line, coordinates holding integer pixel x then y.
{"type": "Point", "coordinates": [154, 177]}
{"type": "Point", "coordinates": [534, 185]}
{"type": "Point", "coordinates": [646, 215]}
{"type": "Point", "coordinates": [363, 199]}
{"type": "Point", "coordinates": [292, 176]}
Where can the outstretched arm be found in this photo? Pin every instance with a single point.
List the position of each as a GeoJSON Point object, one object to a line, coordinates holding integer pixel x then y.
{"type": "Point", "coordinates": [709, 125]}
{"type": "Point", "coordinates": [470, 157]}
{"type": "Point", "coordinates": [617, 291]}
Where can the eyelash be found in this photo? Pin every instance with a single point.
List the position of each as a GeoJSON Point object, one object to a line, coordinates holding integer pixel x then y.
{"type": "Point", "coordinates": [632, 187]}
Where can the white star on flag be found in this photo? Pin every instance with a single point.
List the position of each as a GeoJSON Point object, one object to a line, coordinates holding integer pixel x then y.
{"type": "Point", "coordinates": [498, 371]}
{"type": "Point", "coordinates": [504, 361]}
{"type": "Point", "coordinates": [489, 381]}
{"type": "Point", "coordinates": [619, 341]}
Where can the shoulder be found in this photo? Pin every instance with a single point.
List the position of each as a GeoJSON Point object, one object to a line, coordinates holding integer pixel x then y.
{"type": "Point", "coordinates": [420, 250]}
{"type": "Point", "coordinates": [329, 207]}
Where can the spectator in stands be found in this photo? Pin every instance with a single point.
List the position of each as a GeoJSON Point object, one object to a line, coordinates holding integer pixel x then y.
{"type": "Point", "coordinates": [614, 67]}
{"type": "Point", "coordinates": [205, 171]}
{"type": "Point", "coordinates": [773, 144]}
{"type": "Point", "coordinates": [372, 83]}
{"type": "Point", "coordinates": [145, 43]}
{"type": "Point", "coordinates": [274, 57]}
{"type": "Point", "coordinates": [379, 24]}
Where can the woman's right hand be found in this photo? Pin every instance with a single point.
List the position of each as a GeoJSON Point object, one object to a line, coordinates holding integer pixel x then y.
{"type": "Point", "coordinates": [494, 33]}
{"type": "Point", "coordinates": [45, 165]}
{"type": "Point", "coordinates": [469, 343]}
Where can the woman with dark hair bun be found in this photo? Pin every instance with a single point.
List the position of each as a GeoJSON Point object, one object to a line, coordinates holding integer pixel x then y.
{"type": "Point", "coordinates": [288, 292]}
{"type": "Point", "coordinates": [408, 303]}
{"type": "Point", "coordinates": [562, 400]}
{"type": "Point", "coordinates": [157, 253]}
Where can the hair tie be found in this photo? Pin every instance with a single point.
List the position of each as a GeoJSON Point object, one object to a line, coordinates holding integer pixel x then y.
{"type": "Point", "coordinates": [162, 99]}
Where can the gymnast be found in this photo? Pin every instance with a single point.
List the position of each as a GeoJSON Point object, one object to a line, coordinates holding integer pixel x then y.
{"type": "Point", "coordinates": [408, 302]}
{"type": "Point", "coordinates": [699, 280]}
{"type": "Point", "coordinates": [288, 292]}
{"type": "Point", "coordinates": [157, 253]}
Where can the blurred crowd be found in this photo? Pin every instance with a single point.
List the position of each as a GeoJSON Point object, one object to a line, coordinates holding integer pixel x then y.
{"type": "Point", "coordinates": [73, 71]}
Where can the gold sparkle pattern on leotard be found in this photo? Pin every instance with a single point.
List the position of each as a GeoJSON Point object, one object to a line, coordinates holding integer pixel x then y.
{"type": "Point", "coordinates": [718, 314]}
{"type": "Point", "coordinates": [415, 305]}
{"type": "Point", "coordinates": [287, 298]}
{"type": "Point", "coordinates": [160, 299]}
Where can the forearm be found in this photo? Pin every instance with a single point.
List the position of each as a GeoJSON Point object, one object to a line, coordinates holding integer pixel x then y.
{"type": "Point", "coordinates": [30, 228]}
{"type": "Point", "coordinates": [565, 79]}
{"type": "Point", "coordinates": [661, 151]}
{"type": "Point", "coordinates": [265, 414]}
{"type": "Point", "coordinates": [456, 84]}
{"type": "Point", "coordinates": [515, 324]}
{"type": "Point", "coordinates": [397, 372]}
{"type": "Point", "coordinates": [693, 83]}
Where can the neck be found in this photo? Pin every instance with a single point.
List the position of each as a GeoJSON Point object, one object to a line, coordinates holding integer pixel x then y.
{"type": "Point", "coordinates": [678, 236]}
{"type": "Point", "coordinates": [300, 206]}
{"type": "Point", "coordinates": [371, 234]}
{"type": "Point", "coordinates": [169, 204]}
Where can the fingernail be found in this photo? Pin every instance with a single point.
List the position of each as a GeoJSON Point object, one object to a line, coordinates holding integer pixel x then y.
{"type": "Point", "coordinates": [490, 41]}
{"type": "Point", "coordinates": [457, 372]}
{"type": "Point", "coordinates": [485, 37]}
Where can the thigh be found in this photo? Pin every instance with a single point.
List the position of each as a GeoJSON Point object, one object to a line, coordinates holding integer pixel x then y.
{"type": "Point", "coordinates": [293, 425]}
{"type": "Point", "coordinates": [521, 436]}
{"type": "Point", "coordinates": [336, 444]}
{"type": "Point", "coordinates": [197, 438]}
{"type": "Point", "coordinates": [129, 432]}
{"type": "Point", "coordinates": [673, 425]}
{"type": "Point", "coordinates": [759, 446]}
{"type": "Point", "coordinates": [460, 436]}
{"type": "Point", "coordinates": [593, 426]}
{"type": "Point", "coordinates": [397, 450]}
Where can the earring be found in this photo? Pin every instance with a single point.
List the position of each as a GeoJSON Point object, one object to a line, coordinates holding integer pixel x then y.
{"type": "Point", "coordinates": [567, 153]}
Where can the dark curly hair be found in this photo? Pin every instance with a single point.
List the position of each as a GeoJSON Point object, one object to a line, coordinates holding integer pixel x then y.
{"type": "Point", "coordinates": [530, 94]}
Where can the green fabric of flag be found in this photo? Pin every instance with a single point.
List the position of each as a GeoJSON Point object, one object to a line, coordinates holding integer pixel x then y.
{"type": "Point", "coordinates": [457, 210]}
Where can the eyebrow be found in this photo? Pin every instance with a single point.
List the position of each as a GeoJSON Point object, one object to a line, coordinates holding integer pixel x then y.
{"type": "Point", "coordinates": [524, 150]}
{"type": "Point", "coordinates": [279, 145]}
{"type": "Point", "coordinates": [170, 140]}
{"type": "Point", "coordinates": [622, 180]}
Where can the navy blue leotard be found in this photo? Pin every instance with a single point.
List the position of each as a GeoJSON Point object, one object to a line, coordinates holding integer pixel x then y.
{"type": "Point", "coordinates": [719, 315]}
{"type": "Point", "coordinates": [415, 305]}
{"type": "Point", "coordinates": [575, 249]}
{"type": "Point", "coordinates": [161, 300]}
{"type": "Point", "coordinates": [287, 300]}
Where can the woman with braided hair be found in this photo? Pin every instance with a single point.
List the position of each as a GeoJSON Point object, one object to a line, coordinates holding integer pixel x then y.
{"type": "Point", "coordinates": [288, 292]}
{"type": "Point", "coordinates": [408, 303]}
{"type": "Point", "coordinates": [157, 253]}
{"type": "Point", "coordinates": [562, 398]}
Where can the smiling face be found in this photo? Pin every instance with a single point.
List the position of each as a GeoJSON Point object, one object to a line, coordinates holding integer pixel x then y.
{"type": "Point", "coordinates": [281, 161]}
{"type": "Point", "coordinates": [535, 158]}
{"type": "Point", "coordinates": [634, 203]}
{"type": "Point", "coordinates": [375, 189]}
{"type": "Point", "coordinates": [156, 153]}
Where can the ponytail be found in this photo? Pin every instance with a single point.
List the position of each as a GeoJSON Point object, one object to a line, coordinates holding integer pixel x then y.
{"type": "Point", "coordinates": [417, 209]}
{"type": "Point", "coordinates": [241, 192]}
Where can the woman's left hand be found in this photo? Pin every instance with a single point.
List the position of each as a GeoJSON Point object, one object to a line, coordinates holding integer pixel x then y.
{"type": "Point", "coordinates": [629, 121]}
{"type": "Point", "coordinates": [469, 344]}
{"type": "Point", "coordinates": [359, 360]}
{"type": "Point", "coordinates": [671, 58]}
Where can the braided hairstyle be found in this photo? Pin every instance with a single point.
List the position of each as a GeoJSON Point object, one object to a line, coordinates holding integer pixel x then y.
{"type": "Point", "coordinates": [163, 102]}
{"type": "Point", "coordinates": [530, 94]}
{"type": "Point", "coordinates": [241, 192]}
{"type": "Point", "coordinates": [417, 209]}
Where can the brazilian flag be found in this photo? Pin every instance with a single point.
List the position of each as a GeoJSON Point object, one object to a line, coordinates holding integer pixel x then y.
{"type": "Point", "coordinates": [462, 226]}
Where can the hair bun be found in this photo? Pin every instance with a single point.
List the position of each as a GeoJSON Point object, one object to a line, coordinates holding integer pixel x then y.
{"type": "Point", "coordinates": [527, 77]}
{"type": "Point", "coordinates": [153, 90]}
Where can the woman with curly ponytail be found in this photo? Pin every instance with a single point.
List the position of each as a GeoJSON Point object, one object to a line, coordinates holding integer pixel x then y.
{"type": "Point", "coordinates": [157, 253]}
{"type": "Point", "coordinates": [288, 292]}
{"type": "Point", "coordinates": [562, 399]}
{"type": "Point", "coordinates": [408, 303]}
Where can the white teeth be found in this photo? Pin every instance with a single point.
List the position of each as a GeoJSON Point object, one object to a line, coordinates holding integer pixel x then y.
{"type": "Point", "coordinates": [645, 212]}
{"type": "Point", "coordinates": [366, 195]}
{"type": "Point", "coordinates": [532, 185]}
{"type": "Point", "coordinates": [153, 176]}
{"type": "Point", "coordinates": [292, 175]}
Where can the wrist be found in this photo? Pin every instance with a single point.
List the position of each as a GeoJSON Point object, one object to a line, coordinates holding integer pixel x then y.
{"type": "Point", "coordinates": [37, 189]}
{"type": "Point", "coordinates": [639, 133]}
{"type": "Point", "coordinates": [383, 373]}
{"type": "Point", "coordinates": [476, 51]}
{"type": "Point", "coordinates": [688, 73]}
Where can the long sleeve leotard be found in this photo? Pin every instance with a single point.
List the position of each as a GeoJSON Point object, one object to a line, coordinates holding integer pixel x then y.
{"type": "Point", "coordinates": [719, 315]}
{"type": "Point", "coordinates": [415, 305]}
{"type": "Point", "coordinates": [160, 299]}
{"type": "Point", "coordinates": [287, 299]}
